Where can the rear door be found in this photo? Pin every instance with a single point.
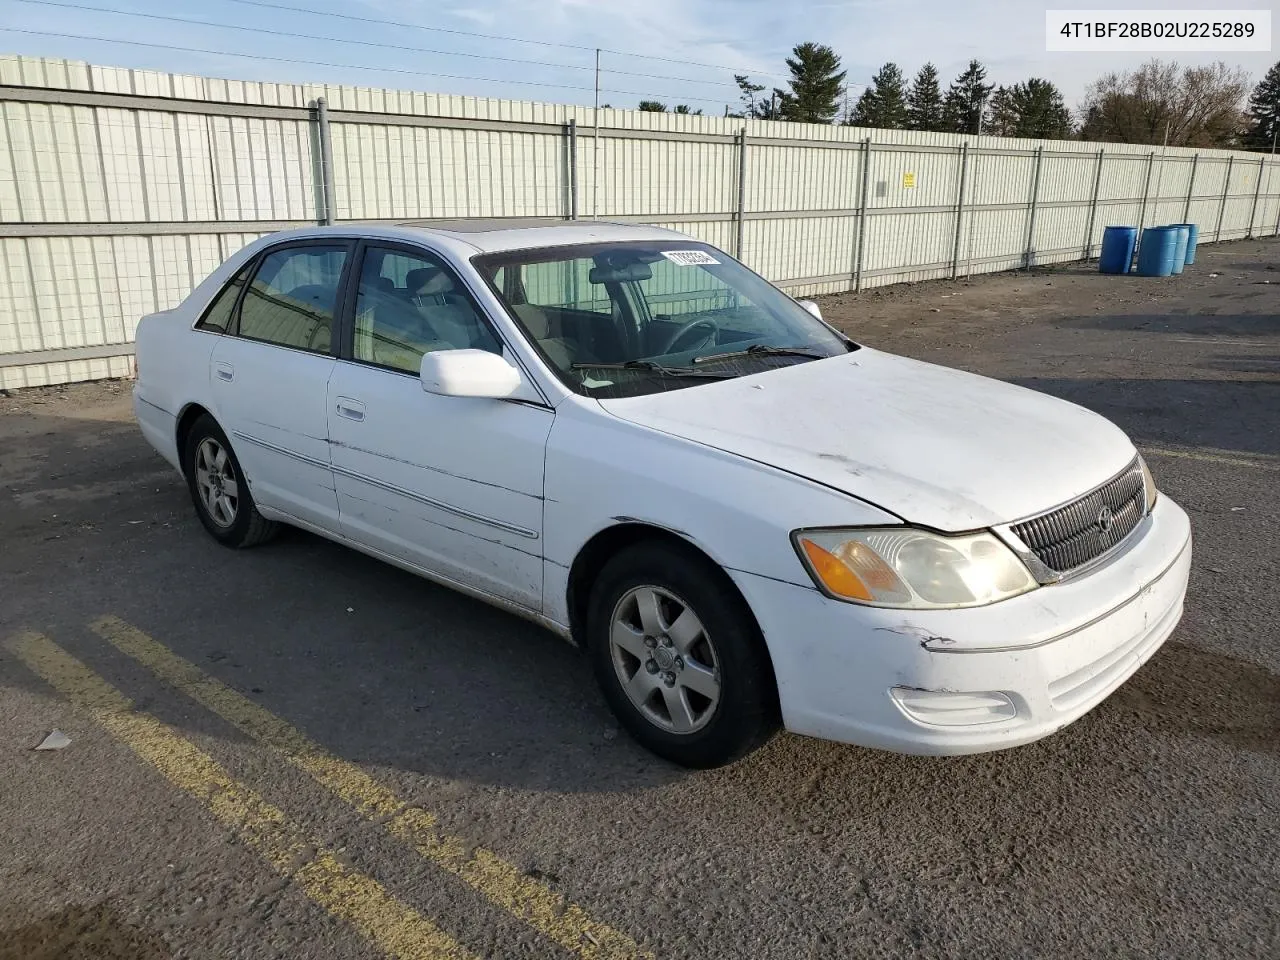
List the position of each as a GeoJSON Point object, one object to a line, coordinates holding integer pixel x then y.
{"type": "Point", "coordinates": [270, 374]}
{"type": "Point", "coordinates": [451, 484]}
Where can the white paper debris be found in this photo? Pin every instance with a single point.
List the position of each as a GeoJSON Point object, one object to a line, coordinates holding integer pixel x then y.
{"type": "Point", "coordinates": [56, 740]}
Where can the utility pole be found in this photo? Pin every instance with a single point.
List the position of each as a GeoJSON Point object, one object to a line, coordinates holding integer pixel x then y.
{"type": "Point", "coordinates": [595, 146]}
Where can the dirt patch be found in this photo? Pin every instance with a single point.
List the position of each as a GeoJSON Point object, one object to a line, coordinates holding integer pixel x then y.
{"type": "Point", "coordinates": [1074, 319]}
{"type": "Point", "coordinates": [95, 400]}
{"type": "Point", "coordinates": [82, 933]}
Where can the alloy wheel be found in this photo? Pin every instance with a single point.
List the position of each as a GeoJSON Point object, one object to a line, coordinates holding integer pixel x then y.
{"type": "Point", "coordinates": [664, 659]}
{"type": "Point", "coordinates": [216, 482]}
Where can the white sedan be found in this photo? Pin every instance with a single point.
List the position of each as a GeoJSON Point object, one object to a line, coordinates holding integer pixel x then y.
{"type": "Point", "coordinates": [746, 519]}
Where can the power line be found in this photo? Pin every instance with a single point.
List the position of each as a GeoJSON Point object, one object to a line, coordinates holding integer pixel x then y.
{"type": "Point", "coordinates": [328, 63]}
{"type": "Point", "coordinates": [365, 43]}
{"type": "Point", "coordinates": [489, 36]}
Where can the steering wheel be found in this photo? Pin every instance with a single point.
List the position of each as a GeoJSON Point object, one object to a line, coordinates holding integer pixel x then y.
{"type": "Point", "coordinates": [712, 328]}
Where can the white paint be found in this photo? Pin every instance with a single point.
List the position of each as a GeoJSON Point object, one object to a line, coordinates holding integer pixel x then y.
{"type": "Point", "coordinates": [940, 447]}
{"type": "Point", "coordinates": [497, 497]}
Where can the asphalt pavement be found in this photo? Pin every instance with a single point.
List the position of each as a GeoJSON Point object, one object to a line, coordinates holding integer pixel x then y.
{"type": "Point", "coordinates": [297, 751]}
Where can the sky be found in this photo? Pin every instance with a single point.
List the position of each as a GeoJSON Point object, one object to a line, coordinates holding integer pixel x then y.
{"type": "Point", "coordinates": [675, 51]}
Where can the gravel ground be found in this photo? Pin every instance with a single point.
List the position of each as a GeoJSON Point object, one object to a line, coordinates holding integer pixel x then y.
{"type": "Point", "coordinates": [1147, 829]}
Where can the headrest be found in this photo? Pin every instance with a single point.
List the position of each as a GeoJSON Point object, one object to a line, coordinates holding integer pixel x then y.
{"type": "Point", "coordinates": [428, 282]}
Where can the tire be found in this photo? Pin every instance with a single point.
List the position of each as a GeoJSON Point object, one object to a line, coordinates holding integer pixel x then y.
{"type": "Point", "coordinates": [702, 691]}
{"type": "Point", "coordinates": [219, 489]}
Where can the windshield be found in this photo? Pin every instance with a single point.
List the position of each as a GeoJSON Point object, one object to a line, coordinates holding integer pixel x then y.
{"type": "Point", "coordinates": [624, 319]}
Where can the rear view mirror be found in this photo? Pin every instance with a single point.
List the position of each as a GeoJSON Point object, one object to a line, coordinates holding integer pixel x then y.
{"type": "Point", "coordinates": [469, 373]}
{"type": "Point", "coordinates": [811, 307]}
{"type": "Point", "coordinates": [621, 273]}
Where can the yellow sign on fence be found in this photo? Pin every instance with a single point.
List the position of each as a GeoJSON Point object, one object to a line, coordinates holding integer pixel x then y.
{"type": "Point", "coordinates": [908, 180]}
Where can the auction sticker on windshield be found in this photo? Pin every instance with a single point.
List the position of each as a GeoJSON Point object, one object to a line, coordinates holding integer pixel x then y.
{"type": "Point", "coordinates": [689, 258]}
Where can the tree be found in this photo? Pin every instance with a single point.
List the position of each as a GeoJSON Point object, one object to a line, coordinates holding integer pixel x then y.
{"type": "Point", "coordinates": [924, 102]}
{"type": "Point", "coordinates": [1037, 110]}
{"type": "Point", "coordinates": [683, 108]}
{"type": "Point", "coordinates": [962, 110]}
{"type": "Point", "coordinates": [748, 92]}
{"type": "Point", "coordinates": [1198, 106]}
{"type": "Point", "coordinates": [1264, 112]}
{"type": "Point", "coordinates": [1001, 120]}
{"type": "Point", "coordinates": [817, 83]}
{"type": "Point", "coordinates": [884, 103]}
{"type": "Point", "coordinates": [652, 106]}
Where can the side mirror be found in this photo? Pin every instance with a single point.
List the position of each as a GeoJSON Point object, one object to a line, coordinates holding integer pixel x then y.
{"type": "Point", "coordinates": [469, 373]}
{"type": "Point", "coordinates": [811, 307]}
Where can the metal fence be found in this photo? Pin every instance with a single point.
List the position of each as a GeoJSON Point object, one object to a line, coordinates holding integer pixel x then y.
{"type": "Point", "coordinates": [120, 189]}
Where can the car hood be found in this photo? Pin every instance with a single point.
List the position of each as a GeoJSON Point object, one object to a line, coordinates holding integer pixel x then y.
{"type": "Point", "coordinates": [938, 447]}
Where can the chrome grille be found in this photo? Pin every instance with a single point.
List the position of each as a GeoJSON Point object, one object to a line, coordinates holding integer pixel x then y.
{"type": "Point", "coordinates": [1071, 536]}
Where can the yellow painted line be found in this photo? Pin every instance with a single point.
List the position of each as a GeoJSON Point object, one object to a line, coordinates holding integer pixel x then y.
{"type": "Point", "coordinates": [398, 929]}
{"type": "Point", "coordinates": [502, 883]}
{"type": "Point", "coordinates": [1213, 458]}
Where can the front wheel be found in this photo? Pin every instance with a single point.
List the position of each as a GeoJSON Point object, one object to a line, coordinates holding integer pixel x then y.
{"type": "Point", "coordinates": [680, 658]}
{"type": "Point", "coordinates": [219, 489]}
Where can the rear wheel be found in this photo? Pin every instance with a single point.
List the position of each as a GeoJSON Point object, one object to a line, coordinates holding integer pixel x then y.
{"type": "Point", "coordinates": [679, 657]}
{"type": "Point", "coordinates": [219, 489]}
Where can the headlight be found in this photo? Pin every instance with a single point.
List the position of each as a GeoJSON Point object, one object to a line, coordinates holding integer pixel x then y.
{"type": "Point", "coordinates": [1148, 483]}
{"type": "Point", "coordinates": [915, 569]}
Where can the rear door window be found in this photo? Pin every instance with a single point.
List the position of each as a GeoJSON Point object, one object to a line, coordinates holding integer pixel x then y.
{"type": "Point", "coordinates": [293, 297]}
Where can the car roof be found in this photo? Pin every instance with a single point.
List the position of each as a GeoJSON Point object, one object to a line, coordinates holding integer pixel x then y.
{"type": "Point", "coordinates": [491, 235]}
{"type": "Point", "coordinates": [516, 233]}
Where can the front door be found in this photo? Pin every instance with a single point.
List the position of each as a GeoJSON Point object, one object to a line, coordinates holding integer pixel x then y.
{"type": "Point", "coordinates": [451, 484]}
{"type": "Point", "coordinates": [270, 375]}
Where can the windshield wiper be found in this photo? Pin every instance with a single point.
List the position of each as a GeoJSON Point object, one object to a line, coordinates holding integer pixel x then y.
{"type": "Point", "coordinates": [762, 349]}
{"type": "Point", "coordinates": [654, 367]}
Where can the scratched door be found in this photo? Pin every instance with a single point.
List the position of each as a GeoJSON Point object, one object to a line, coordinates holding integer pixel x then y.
{"type": "Point", "coordinates": [453, 484]}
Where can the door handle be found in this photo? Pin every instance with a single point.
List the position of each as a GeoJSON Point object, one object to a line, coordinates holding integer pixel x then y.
{"type": "Point", "coordinates": [224, 371]}
{"type": "Point", "coordinates": [351, 409]}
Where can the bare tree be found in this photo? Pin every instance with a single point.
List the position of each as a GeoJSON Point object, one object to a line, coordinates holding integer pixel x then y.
{"type": "Point", "coordinates": [1198, 106]}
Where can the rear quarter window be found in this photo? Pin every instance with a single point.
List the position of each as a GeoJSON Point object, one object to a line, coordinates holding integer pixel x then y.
{"type": "Point", "coordinates": [217, 318]}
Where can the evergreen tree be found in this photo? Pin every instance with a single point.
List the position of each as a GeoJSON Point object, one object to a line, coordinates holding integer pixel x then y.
{"type": "Point", "coordinates": [749, 93]}
{"type": "Point", "coordinates": [962, 110]}
{"type": "Point", "coordinates": [652, 106]}
{"type": "Point", "coordinates": [1037, 110]}
{"type": "Point", "coordinates": [884, 103]}
{"type": "Point", "coordinates": [1264, 112]}
{"type": "Point", "coordinates": [924, 102]}
{"type": "Point", "coordinates": [1002, 119]}
{"type": "Point", "coordinates": [817, 83]}
{"type": "Point", "coordinates": [684, 108]}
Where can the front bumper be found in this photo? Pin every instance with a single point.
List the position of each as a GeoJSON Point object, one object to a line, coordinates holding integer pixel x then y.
{"type": "Point", "coordinates": [978, 679]}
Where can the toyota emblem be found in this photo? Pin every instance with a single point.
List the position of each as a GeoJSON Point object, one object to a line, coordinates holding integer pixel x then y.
{"type": "Point", "coordinates": [1105, 519]}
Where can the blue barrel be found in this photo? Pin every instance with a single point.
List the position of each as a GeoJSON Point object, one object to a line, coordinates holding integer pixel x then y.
{"type": "Point", "coordinates": [1155, 256]}
{"type": "Point", "coordinates": [1194, 231]}
{"type": "Point", "coordinates": [1117, 249]}
{"type": "Point", "coordinates": [1180, 251]}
